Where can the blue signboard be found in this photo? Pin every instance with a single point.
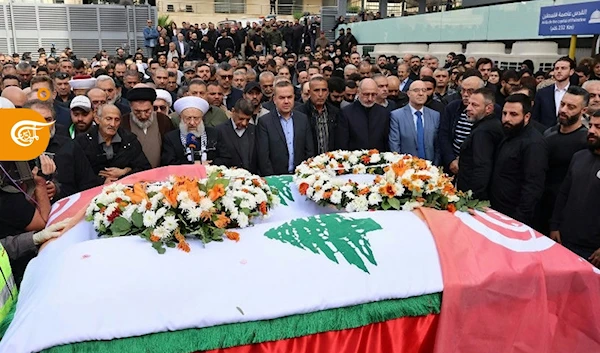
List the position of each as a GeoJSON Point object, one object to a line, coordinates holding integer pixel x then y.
{"type": "Point", "coordinates": [581, 18]}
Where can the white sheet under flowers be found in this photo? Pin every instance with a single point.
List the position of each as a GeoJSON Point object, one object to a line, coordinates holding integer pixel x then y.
{"type": "Point", "coordinates": [83, 288]}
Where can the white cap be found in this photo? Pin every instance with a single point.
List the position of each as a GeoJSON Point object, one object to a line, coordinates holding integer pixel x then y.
{"type": "Point", "coordinates": [5, 103]}
{"type": "Point", "coordinates": [164, 95]}
{"type": "Point", "coordinates": [81, 102]}
{"type": "Point", "coordinates": [190, 102]}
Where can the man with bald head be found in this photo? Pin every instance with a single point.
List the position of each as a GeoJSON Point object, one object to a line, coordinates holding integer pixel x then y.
{"type": "Point", "coordinates": [394, 93]}
{"type": "Point", "coordinates": [15, 95]}
{"type": "Point", "coordinates": [414, 128]}
{"type": "Point", "coordinates": [425, 71]}
{"type": "Point", "coordinates": [363, 124]}
{"type": "Point", "coordinates": [455, 125]}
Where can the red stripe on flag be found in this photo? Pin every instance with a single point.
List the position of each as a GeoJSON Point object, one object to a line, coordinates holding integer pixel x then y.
{"type": "Point", "coordinates": [403, 335]}
{"type": "Point", "coordinates": [511, 293]}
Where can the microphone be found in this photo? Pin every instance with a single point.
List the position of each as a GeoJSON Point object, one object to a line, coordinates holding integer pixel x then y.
{"type": "Point", "coordinates": [191, 142]}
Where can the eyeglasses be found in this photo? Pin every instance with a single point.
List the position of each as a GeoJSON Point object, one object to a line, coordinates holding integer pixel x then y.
{"type": "Point", "coordinates": [454, 72]}
{"type": "Point", "coordinates": [417, 90]}
{"type": "Point", "coordinates": [162, 108]}
{"type": "Point", "coordinates": [196, 119]}
{"type": "Point", "coordinates": [228, 77]}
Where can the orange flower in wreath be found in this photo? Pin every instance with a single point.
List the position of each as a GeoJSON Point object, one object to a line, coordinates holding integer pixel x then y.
{"type": "Point", "coordinates": [170, 195]}
{"type": "Point", "coordinates": [138, 194]}
{"type": "Point", "coordinates": [235, 236]}
{"type": "Point", "coordinates": [222, 220]}
{"type": "Point", "coordinates": [263, 207]}
{"type": "Point", "coordinates": [388, 190]}
{"type": "Point", "coordinates": [217, 191]}
{"type": "Point", "coordinates": [303, 187]}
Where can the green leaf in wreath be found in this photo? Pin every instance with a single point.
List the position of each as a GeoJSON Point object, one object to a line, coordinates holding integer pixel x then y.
{"type": "Point", "coordinates": [159, 247]}
{"type": "Point", "coordinates": [224, 182]}
{"type": "Point", "coordinates": [330, 235]}
{"type": "Point", "coordinates": [120, 226]}
{"type": "Point", "coordinates": [385, 205]}
{"type": "Point", "coordinates": [137, 219]}
{"type": "Point", "coordinates": [394, 202]}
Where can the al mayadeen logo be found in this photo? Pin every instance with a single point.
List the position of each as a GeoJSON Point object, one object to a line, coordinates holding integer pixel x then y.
{"type": "Point", "coordinates": [24, 133]}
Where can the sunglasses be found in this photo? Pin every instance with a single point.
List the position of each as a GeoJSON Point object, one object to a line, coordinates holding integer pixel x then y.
{"type": "Point", "coordinates": [61, 75]}
{"type": "Point", "coordinates": [230, 77]}
{"type": "Point", "coordinates": [163, 108]}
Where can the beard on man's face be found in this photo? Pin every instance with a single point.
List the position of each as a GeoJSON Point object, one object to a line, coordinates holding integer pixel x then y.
{"type": "Point", "coordinates": [198, 131]}
{"type": "Point", "coordinates": [513, 129]}
{"type": "Point", "coordinates": [593, 142]}
{"type": "Point", "coordinates": [566, 120]}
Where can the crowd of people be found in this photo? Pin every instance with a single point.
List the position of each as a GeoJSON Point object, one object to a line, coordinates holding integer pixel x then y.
{"type": "Point", "coordinates": [527, 141]}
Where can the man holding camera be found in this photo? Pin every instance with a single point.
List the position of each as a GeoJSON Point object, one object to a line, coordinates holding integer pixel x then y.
{"type": "Point", "coordinates": [25, 207]}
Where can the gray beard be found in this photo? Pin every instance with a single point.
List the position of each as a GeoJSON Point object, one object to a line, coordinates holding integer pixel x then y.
{"type": "Point", "coordinates": [142, 124]}
{"type": "Point", "coordinates": [198, 132]}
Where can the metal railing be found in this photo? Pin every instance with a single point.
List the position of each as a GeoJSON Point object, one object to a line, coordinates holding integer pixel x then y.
{"type": "Point", "coordinates": [235, 7]}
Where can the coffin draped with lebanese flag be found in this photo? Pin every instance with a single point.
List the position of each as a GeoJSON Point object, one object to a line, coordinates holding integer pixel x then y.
{"type": "Point", "coordinates": [310, 279]}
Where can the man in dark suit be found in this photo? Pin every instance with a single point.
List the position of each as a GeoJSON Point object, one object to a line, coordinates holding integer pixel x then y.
{"type": "Point", "coordinates": [284, 136]}
{"type": "Point", "coordinates": [240, 136]}
{"type": "Point", "coordinates": [183, 48]}
{"type": "Point", "coordinates": [322, 115]}
{"type": "Point", "coordinates": [225, 78]}
{"type": "Point", "coordinates": [363, 124]}
{"type": "Point", "coordinates": [210, 148]}
{"type": "Point", "coordinates": [547, 100]}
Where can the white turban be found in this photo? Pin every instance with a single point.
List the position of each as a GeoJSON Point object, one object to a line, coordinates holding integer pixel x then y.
{"type": "Point", "coordinates": [85, 82]}
{"type": "Point", "coordinates": [190, 102]}
{"type": "Point", "coordinates": [164, 95]}
{"type": "Point", "coordinates": [5, 103]}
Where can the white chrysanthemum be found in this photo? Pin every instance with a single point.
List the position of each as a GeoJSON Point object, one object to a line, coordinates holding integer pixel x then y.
{"type": "Point", "coordinates": [183, 196]}
{"type": "Point", "coordinates": [453, 198]}
{"type": "Point", "coordinates": [375, 158]}
{"type": "Point", "coordinates": [353, 159]}
{"type": "Point", "coordinates": [336, 197]}
{"type": "Point", "coordinates": [186, 205]}
{"type": "Point", "coordinates": [399, 189]}
{"type": "Point", "coordinates": [374, 199]}
{"type": "Point", "coordinates": [411, 205]}
{"type": "Point", "coordinates": [170, 223]}
{"type": "Point", "coordinates": [227, 201]}
{"type": "Point", "coordinates": [194, 214]}
{"type": "Point", "coordinates": [206, 204]}
{"type": "Point", "coordinates": [347, 188]}
{"type": "Point", "coordinates": [310, 191]}
{"type": "Point", "coordinates": [150, 219]}
{"type": "Point", "coordinates": [275, 200]}
{"type": "Point", "coordinates": [246, 204]}
{"type": "Point", "coordinates": [128, 213]}
{"type": "Point", "coordinates": [155, 200]}
{"type": "Point", "coordinates": [260, 196]}
{"type": "Point", "coordinates": [98, 219]}
{"type": "Point", "coordinates": [161, 212]}
{"type": "Point", "coordinates": [162, 232]}
{"type": "Point", "coordinates": [318, 196]}
{"type": "Point", "coordinates": [242, 220]}
{"type": "Point", "coordinates": [350, 195]}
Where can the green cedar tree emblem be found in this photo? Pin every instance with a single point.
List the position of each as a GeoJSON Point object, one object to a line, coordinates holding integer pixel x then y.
{"type": "Point", "coordinates": [282, 184]}
{"type": "Point", "coordinates": [330, 234]}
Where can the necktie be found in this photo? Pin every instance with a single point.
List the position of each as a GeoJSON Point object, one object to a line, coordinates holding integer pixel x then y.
{"type": "Point", "coordinates": [420, 135]}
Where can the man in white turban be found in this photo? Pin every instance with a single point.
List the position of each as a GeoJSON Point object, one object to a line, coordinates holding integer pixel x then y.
{"type": "Point", "coordinates": [193, 141]}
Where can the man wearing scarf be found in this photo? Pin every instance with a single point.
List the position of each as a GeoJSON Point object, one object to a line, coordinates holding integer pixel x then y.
{"type": "Point", "coordinates": [148, 125]}
{"type": "Point", "coordinates": [210, 149]}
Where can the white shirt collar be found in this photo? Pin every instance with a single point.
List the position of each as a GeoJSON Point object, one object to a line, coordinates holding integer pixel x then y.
{"type": "Point", "coordinates": [413, 110]}
{"type": "Point", "coordinates": [237, 131]}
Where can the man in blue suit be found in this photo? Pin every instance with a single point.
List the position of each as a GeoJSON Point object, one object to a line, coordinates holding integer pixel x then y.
{"type": "Point", "coordinates": [547, 100]}
{"type": "Point", "coordinates": [414, 128]}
